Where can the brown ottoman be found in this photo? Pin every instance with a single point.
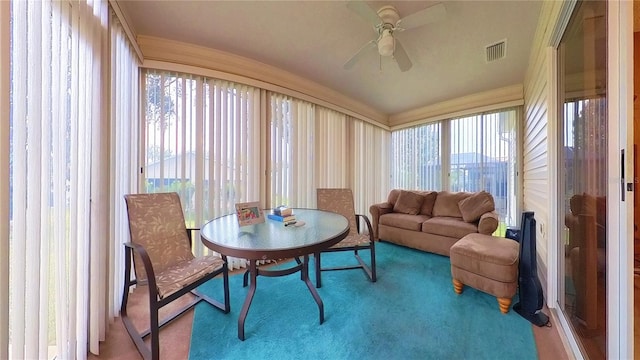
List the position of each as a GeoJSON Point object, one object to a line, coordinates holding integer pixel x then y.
{"type": "Point", "coordinates": [487, 263]}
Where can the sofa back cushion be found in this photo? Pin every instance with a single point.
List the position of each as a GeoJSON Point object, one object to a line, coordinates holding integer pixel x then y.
{"type": "Point", "coordinates": [475, 205]}
{"type": "Point", "coordinates": [429, 198]}
{"type": "Point", "coordinates": [408, 202]}
{"type": "Point", "coordinates": [427, 204]}
{"type": "Point", "coordinates": [446, 203]}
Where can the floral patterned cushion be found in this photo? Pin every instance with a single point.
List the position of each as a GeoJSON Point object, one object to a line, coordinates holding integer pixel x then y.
{"type": "Point", "coordinates": [178, 276]}
{"type": "Point", "coordinates": [341, 201]}
{"type": "Point", "coordinates": [156, 222]}
{"type": "Point", "coordinates": [353, 240]}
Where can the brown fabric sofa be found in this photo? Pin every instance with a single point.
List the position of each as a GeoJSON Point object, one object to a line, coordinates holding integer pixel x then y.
{"type": "Point", "coordinates": [433, 221]}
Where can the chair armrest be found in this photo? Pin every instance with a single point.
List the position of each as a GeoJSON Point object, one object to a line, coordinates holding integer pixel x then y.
{"type": "Point", "coordinates": [146, 262]}
{"type": "Point", "coordinates": [488, 222]}
{"type": "Point", "coordinates": [190, 235]}
{"type": "Point", "coordinates": [376, 211]}
{"type": "Point", "coordinates": [367, 222]}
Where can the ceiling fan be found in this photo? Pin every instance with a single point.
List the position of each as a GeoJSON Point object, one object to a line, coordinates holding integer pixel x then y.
{"type": "Point", "coordinates": [386, 21]}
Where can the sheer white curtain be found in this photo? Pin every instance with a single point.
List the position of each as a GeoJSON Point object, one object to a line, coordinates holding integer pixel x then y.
{"type": "Point", "coordinates": [202, 139]}
{"type": "Point", "coordinates": [123, 164]}
{"type": "Point", "coordinates": [58, 110]}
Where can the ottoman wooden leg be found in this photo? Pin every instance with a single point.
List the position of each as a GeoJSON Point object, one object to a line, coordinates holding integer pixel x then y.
{"type": "Point", "coordinates": [504, 304]}
{"type": "Point", "coordinates": [457, 286]}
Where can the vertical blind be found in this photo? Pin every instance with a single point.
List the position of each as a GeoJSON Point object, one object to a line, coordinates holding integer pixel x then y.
{"type": "Point", "coordinates": [370, 166]}
{"type": "Point", "coordinates": [309, 149]}
{"type": "Point", "coordinates": [466, 154]}
{"type": "Point", "coordinates": [483, 157]}
{"type": "Point", "coordinates": [5, 86]}
{"type": "Point", "coordinates": [292, 143]}
{"type": "Point", "coordinates": [125, 138]}
{"type": "Point", "coordinates": [57, 109]}
{"type": "Point", "coordinates": [416, 157]}
{"type": "Point", "coordinates": [333, 152]}
{"type": "Point", "coordinates": [202, 140]}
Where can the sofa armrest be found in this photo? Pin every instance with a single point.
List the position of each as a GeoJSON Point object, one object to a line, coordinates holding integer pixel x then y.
{"type": "Point", "coordinates": [488, 223]}
{"type": "Point", "coordinates": [376, 211]}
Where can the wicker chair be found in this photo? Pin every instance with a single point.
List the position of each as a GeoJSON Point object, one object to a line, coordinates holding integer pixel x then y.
{"type": "Point", "coordinates": [341, 201]}
{"type": "Point", "coordinates": [161, 249]}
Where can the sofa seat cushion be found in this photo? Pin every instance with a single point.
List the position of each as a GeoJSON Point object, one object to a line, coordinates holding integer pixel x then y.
{"type": "Point", "coordinates": [448, 226]}
{"type": "Point", "coordinates": [403, 221]}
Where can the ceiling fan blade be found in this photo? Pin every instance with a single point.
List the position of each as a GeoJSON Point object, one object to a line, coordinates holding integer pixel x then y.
{"type": "Point", "coordinates": [365, 11]}
{"type": "Point", "coordinates": [401, 57]}
{"type": "Point", "coordinates": [354, 59]}
{"type": "Point", "coordinates": [423, 17]}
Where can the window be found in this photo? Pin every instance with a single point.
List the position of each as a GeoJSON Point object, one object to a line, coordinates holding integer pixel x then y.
{"type": "Point", "coordinates": [309, 148]}
{"type": "Point", "coordinates": [481, 155]}
{"type": "Point", "coordinates": [202, 140]}
{"type": "Point", "coordinates": [291, 151]}
{"type": "Point", "coordinates": [416, 160]}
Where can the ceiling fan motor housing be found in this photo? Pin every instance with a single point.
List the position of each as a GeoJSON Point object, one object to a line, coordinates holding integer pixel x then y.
{"type": "Point", "coordinates": [389, 15]}
{"type": "Point", "coordinates": [386, 43]}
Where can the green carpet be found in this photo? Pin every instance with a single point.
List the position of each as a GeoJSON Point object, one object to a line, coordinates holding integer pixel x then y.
{"type": "Point", "coordinates": [411, 312]}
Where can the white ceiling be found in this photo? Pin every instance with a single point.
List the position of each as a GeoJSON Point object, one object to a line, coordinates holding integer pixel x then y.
{"type": "Point", "coordinates": [314, 39]}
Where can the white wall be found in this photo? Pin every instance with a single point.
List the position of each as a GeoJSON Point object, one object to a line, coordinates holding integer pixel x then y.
{"type": "Point", "coordinates": [538, 168]}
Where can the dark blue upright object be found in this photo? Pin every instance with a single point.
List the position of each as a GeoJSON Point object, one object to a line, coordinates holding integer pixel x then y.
{"type": "Point", "coordinates": [529, 288]}
{"type": "Point", "coordinates": [513, 234]}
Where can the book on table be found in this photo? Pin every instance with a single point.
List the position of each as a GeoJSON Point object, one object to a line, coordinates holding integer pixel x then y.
{"type": "Point", "coordinates": [285, 219]}
{"type": "Point", "coordinates": [283, 211]}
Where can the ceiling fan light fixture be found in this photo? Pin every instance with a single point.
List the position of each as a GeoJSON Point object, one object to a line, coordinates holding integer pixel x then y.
{"type": "Point", "coordinates": [386, 44]}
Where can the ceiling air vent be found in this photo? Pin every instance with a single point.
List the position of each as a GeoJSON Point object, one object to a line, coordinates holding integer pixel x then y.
{"type": "Point", "coordinates": [496, 51]}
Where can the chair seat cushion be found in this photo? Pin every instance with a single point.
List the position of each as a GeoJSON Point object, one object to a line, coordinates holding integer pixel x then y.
{"type": "Point", "coordinates": [185, 273]}
{"type": "Point", "coordinates": [449, 226]}
{"type": "Point", "coordinates": [353, 240]}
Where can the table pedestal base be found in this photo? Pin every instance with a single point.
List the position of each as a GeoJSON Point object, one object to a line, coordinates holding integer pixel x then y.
{"type": "Point", "coordinates": [303, 267]}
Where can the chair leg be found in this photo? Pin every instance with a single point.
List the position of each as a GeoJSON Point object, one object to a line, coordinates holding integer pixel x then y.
{"type": "Point", "coordinates": [224, 306]}
{"type": "Point", "coordinates": [245, 278]}
{"type": "Point", "coordinates": [135, 336]}
{"type": "Point", "coordinates": [373, 262]}
{"type": "Point", "coordinates": [154, 329]}
{"type": "Point", "coordinates": [225, 277]}
{"type": "Point", "coordinates": [316, 258]}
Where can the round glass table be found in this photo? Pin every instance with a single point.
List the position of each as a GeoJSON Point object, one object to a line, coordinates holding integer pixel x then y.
{"type": "Point", "coordinates": [272, 240]}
